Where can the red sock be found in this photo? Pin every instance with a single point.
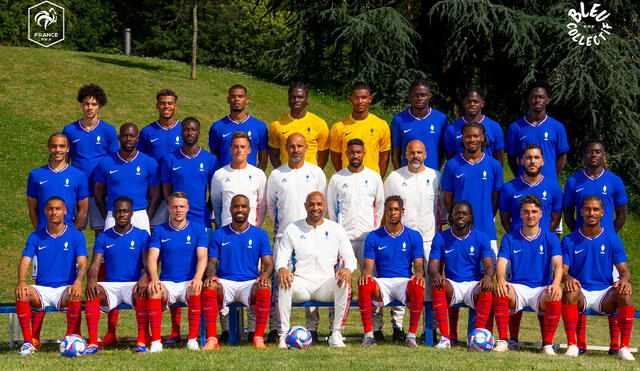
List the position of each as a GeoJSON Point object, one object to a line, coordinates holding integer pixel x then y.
{"type": "Point", "coordinates": [514, 325]}
{"type": "Point", "coordinates": [483, 309]}
{"type": "Point", "coordinates": [454, 315]}
{"type": "Point", "coordinates": [78, 329]}
{"type": "Point", "coordinates": [73, 316]}
{"type": "Point", "coordinates": [489, 325]}
{"type": "Point", "coordinates": [92, 314]}
{"type": "Point", "coordinates": [154, 309]}
{"type": "Point", "coordinates": [194, 312]}
{"type": "Point", "coordinates": [625, 323]}
{"type": "Point", "coordinates": [582, 331]}
{"type": "Point", "coordinates": [210, 301]}
{"type": "Point", "coordinates": [113, 321]}
{"type": "Point", "coordinates": [176, 317]}
{"type": "Point", "coordinates": [614, 332]}
{"type": "Point", "coordinates": [441, 310]}
{"type": "Point", "coordinates": [501, 310]}
{"type": "Point", "coordinates": [142, 319]}
{"type": "Point", "coordinates": [416, 303]}
{"type": "Point", "coordinates": [364, 303]}
{"type": "Point", "coordinates": [261, 308]}
{"type": "Point", "coordinates": [551, 318]}
{"type": "Point", "coordinates": [23, 310]}
{"type": "Point", "coordinates": [36, 323]}
{"type": "Point", "coordinates": [570, 318]}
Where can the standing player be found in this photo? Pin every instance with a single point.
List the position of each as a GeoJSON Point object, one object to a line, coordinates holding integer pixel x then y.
{"type": "Point", "coordinates": [393, 250]}
{"type": "Point", "coordinates": [298, 120]}
{"type": "Point", "coordinates": [130, 173]}
{"type": "Point", "coordinates": [235, 252]}
{"type": "Point", "coordinates": [472, 104]}
{"type": "Point", "coordinates": [181, 246]}
{"type": "Point", "coordinates": [239, 177]}
{"type": "Point", "coordinates": [123, 250]}
{"type": "Point", "coordinates": [468, 266]}
{"type": "Point", "coordinates": [91, 140]}
{"type": "Point", "coordinates": [475, 177]}
{"type": "Point", "coordinates": [238, 119]}
{"type": "Point", "coordinates": [589, 255]}
{"type": "Point", "coordinates": [420, 122]}
{"type": "Point", "coordinates": [57, 178]}
{"type": "Point", "coordinates": [62, 253]}
{"type": "Point", "coordinates": [534, 254]}
{"type": "Point", "coordinates": [366, 126]}
{"type": "Point", "coordinates": [317, 243]}
{"type": "Point", "coordinates": [538, 128]}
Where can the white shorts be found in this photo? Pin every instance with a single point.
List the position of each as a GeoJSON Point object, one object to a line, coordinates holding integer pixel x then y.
{"type": "Point", "coordinates": [392, 289]}
{"type": "Point", "coordinates": [237, 291]}
{"type": "Point", "coordinates": [593, 299]}
{"type": "Point", "coordinates": [527, 297]}
{"type": "Point", "coordinates": [463, 293]}
{"type": "Point", "coordinates": [161, 215]}
{"type": "Point", "coordinates": [49, 296]}
{"type": "Point", "coordinates": [176, 292]}
{"type": "Point", "coordinates": [140, 219]}
{"type": "Point", "coordinates": [494, 247]}
{"type": "Point", "coordinates": [94, 216]}
{"type": "Point", "coordinates": [117, 293]}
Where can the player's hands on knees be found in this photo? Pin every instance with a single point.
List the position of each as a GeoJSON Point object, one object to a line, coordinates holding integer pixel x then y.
{"type": "Point", "coordinates": [554, 292]}
{"type": "Point", "coordinates": [343, 276]}
{"type": "Point", "coordinates": [365, 278]}
{"type": "Point", "coordinates": [195, 286]}
{"type": "Point", "coordinates": [155, 287]}
{"type": "Point", "coordinates": [502, 288]}
{"type": "Point", "coordinates": [420, 281]}
{"type": "Point", "coordinates": [140, 288]}
{"type": "Point", "coordinates": [210, 282]}
{"type": "Point", "coordinates": [75, 291]}
{"type": "Point", "coordinates": [623, 287]}
{"type": "Point", "coordinates": [264, 281]}
{"type": "Point", "coordinates": [22, 291]}
{"type": "Point", "coordinates": [92, 290]}
{"type": "Point", "coordinates": [285, 278]}
{"type": "Point", "coordinates": [439, 282]}
{"type": "Point", "coordinates": [486, 284]}
{"type": "Point", "coordinates": [571, 285]}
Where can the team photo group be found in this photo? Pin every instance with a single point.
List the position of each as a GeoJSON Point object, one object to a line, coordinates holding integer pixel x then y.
{"type": "Point", "coordinates": [178, 225]}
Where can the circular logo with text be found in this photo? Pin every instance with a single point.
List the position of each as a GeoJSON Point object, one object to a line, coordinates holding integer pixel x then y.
{"type": "Point", "coordinates": [588, 25]}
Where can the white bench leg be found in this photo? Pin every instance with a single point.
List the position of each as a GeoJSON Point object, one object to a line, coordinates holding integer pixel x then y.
{"type": "Point", "coordinates": [12, 342]}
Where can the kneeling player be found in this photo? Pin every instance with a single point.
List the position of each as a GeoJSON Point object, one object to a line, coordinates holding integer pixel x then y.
{"type": "Point", "coordinates": [463, 250]}
{"type": "Point", "coordinates": [123, 248]}
{"type": "Point", "coordinates": [392, 249]}
{"type": "Point", "coordinates": [589, 255]}
{"type": "Point", "coordinates": [235, 251]}
{"type": "Point", "coordinates": [182, 248]}
{"type": "Point", "coordinates": [62, 257]}
{"type": "Point", "coordinates": [532, 252]}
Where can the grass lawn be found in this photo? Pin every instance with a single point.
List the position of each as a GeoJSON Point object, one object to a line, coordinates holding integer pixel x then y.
{"type": "Point", "coordinates": [37, 97]}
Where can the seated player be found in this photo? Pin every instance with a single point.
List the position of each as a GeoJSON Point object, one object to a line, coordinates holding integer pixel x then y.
{"type": "Point", "coordinates": [589, 255]}
{"type": "Point", "coordinates": [123, 248]}
{"type": "Point", "coordinates": [235, 252]}
{"type": "Point", "coordinates": [533, 253]}
{"type": "Point", "coordinates": [182, 248]}
{"type": "Point", "coordinates": [468, 266]}
{"type": "Point", "coordinates": [62, 256]}
{"type": "Point", "coordinates": [393, 249]}
{"type": "Point", "coordinates": [318, 244]}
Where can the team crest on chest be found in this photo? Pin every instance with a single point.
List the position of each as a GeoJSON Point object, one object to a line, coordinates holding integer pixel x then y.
{"type": "Point", "coordinates": [133, 245]}
{"type": "Point", "coordinates": [541, 250]}
{"type": "Point", "coordinates": [201, 167]}
{"type": "Point", "coordinates": [177, 140]}
{"type": "Point", "coordinates": [544, 195]}
{"type": "Point", "coordinates": [188, 239]}
{"type": "Point", "coordinates": [546, 135]}
{"type": "Point", "coordinates": [602, 249]}
{"type": "Point", "coordinates": [433, 129]}
{"type": "Point", "coordinates": [66, 246]}
{"type": "Point", "coordinates": [66, 182]}
{"type": "Point", "coordinates": [138, 170]}
{"type": "Point", "coordinates": [404, 246]}
{"type": "Point", "coordinates": [250, 244]}
{"type": "Point", "coordinates": [326, 235]}
{"type": "Point", "coordinates": [604, 189]}
{"type": "Point", "coordinates": [98, 139]}
{"type": "Point", "coordinates": [484, 175]}
{"type": "Point", "coordinates": [471, 250]}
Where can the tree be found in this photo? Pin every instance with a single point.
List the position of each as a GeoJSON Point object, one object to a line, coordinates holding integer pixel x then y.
{"type": "Point", "coordinates": [194, 40]}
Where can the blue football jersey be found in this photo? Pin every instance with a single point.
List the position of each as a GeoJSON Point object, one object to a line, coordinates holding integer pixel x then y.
{"type": "Point", "coordinates": [591, 260]}
{"type": "Point", "coordinates": [406, 127]}
{"type": "Point", "coordinates": [157, 141]}
{"type": "Point", "coordinates": [475, 183]}
{"type": "Point", "coordinates": [128, 178]}
{"type": "Point", "coordinates": [56, 255]}
{"type": "Point", "coordinates": [608, 186]}
{"type": "Point", "coordinates": [191, 175]}
{"type": "Point", "coordinates": [222, 130]}
{"type": "Point", "coordinates": [122, 253]}
{"type": "Point", "coordinates": [530, 259]}
{"type": "Point", "coordinates": [462, 257]}
{"type": "Point", "coordinates": [239, 253]}
{"type": "Point", "coordinates": [494, 136]}
{"type": "Point", "coordinates": [393, 255]}
{"type": "Point", "coordinates": [548, 191]}
{"type": "Point", "coordinates": [549, 134]}
{"type": "Point", "coordinates": [178, 250]}
{"type": "Point", "coordinates": [69, 183]}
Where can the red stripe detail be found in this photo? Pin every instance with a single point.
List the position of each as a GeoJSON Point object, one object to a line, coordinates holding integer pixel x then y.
{"type": "Point", "coordinates": [181, 229]}
{"type": "Point", "coordinates": [167, 129]}
{"type": "Point", "coordinates": [590, 177]}
{"type": "Point", "coordinates": [481, 120]}
{"type": "Point", "coordinates": [239, 122]}
{"type": "Point", "coordinates": [66, 166]}
{"type": "Point", "coordinates": [420, 118]}
{"type": "Point", "coordinates": [540, 123]}
{"type": "Point", "coordinates": [458, 238]}
{"type": "Point", "coordinates": [192, 157]}
{"type": "Point", "coordinates": [532, 185]}
{"type": "Point", "coordinates": [589, 238]}
{"type": "Point", "coordinates": [61, 233]}
{"type": "Point", "coordinates": [473, 163]}
{"type": "Point", "coordinates": [527, 238]}
{"type": "Point", "coordinates": [392, 236]}
{"type": "Point", "coordinates": [125, 161]}
{"type": "Point", "coordinates": [84, 128]}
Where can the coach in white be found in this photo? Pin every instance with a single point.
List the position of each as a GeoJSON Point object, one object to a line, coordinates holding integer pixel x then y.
{"type": "Point", "coordinates": [314, 245]}
{"type": "Point", "coordinates": [239, 177]}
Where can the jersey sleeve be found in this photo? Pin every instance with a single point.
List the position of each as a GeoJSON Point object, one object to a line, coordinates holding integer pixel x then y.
{"type": "Point", "coordinates": [554, 244]}
{"type": "Point", "coordinates": [99, 172]}
{"type": "Point", "coordinates": [345, 250]}
{"type": "Point", "coordinates": [556, 198]}
{"type": "Point", "coordinates": [154, 240]}
{"type": "Point", "coordinates": [369, 246]}
{"type": "Point", "coordinates": [568, 199]}
{"type": "Point", "coordinates": [264, 136]}
{"type": "Point", "coordinates": [262, 199]}
{"type": "Point", "coordinates": [271, 198]}
{"type": "Point", "coordinates": [143, 145]}
{"type": "Point", "coordinates": [321, 180]}
{"type": "Point", "coordinates": [283, 250]}
{"type": "Point", "coordinates": [332, 199]}
{"type": "Point", "coordinates": [443, 127]}
{"type": "Point", "coordinates": [505, 247]}
{"type": "Point", "coordinates": [498, 145]}
{"type": "Point", "coordinates": [436, 248]}
{"type": "Point", "coordinates": [265, 245]}
{"type": "Point", "coordinates": [448, 177]}
{"type": "Point", "coordinates": [214, 246]}
{"type": "Point", "coordinates": [620, 195]}
{"type": "Point", "coordinates": [505, 198]}
{"type": "Point", "coordinates": [511, 145]}
{"type": "Point", "coordinates": [619, 255]}
{"type": "Point", "coordinates": [32, 189]}
{"type": "Point", "coordinates": [80, 243]}
{"type": "Point", "coordinates": [449, 139]}
{"type": "Point", "coordinates": [216, 198]}
{"type": "Point", "coordinates": [201, 235]}
{"type": "Point", "coordinates": [154, 176]}
{"type": "Point", "coordinates": [562, 145]}
{"type": "Point", "coordinates": [213, 166]}
{"type": "Point", "coordinates": [98, 246]}
{"type": "Point", "coordinates": [485, 246]}
{"type": "Point", "coordinates": [378, 205]}
{"type": "Point", "coordinates": [83, 187]}
{"type": "Point", "coordinates": [165, 165]}
{"type": "Point", "coordinates": [30, 247]}
{"type": "Point", "coordinates": [498, 175]}
{"type": "Point", "coordinates": [335, 143]}
{"type": "Point", "coordinates": [385, 139]}
{"type": "Point", "coordinates": [565, 246]}
{"type": "Point", "coordinates": [214, 146]}
{"type": "Point", "coordinates": [417, 246]}
{"type": "Point", "coordinates": [144, 240]}
{"type": "Point", "coordinates": [323, 135]}
{"type": "Point", "coordinates": [274, 135]}
{"type": "Point", "coordinates": [112, 140]}
{"type": "Point", "coordinates": [396, 138]}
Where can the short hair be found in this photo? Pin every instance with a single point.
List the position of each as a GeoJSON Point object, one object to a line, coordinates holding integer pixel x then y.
{"type": "Point", "coordinates": [166, 93]}
{"type": "Point", "coordinates": [539, 84]}
{"type": "Point", "coordinates": [240, 195]}
{"type": "Point", "coordinates": [355, 142]}
{"type": "Point", "coordinates": [468, 91]}
{"type": "Point", "coordinates": [123, 199]}
{"type": "Point", "coordinates": [531, 199]}
{"type": "Point", "coordinates": [298, 85]}
{"type": "Point", "coordinates": [187, 119]}
{"type": "Point", "coordinates": [56, 198]}
{"type": "Point", "coordinates": [95, 91]}
{"type": "Point", "coordinates": [395, 198]}
{"type": "Point", "coordinates": [593, 141]}
{"type": "Point", "coordinates": [238, 86]}
{"type": "Point", "coordinates": [592, 198]}
{"type": "Point", "coordinates": [181, 195]}
{"type": "Point", "coordinates": [461, 202]}
{"type": "Point", "coordinates": [531, 146]}
{"type": "Point", "coordinates": [361, 86]}
{"type": "Point", "coordinates": [420, 82]}
{"type": "Point", "coordinates": [240, 134]}
{"type": "Point", "coordinates": [479, 126]}
{"type": "Point", "coordinates": [58, 134]}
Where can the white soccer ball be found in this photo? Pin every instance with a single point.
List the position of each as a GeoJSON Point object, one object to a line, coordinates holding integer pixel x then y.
{"type": "Point", "coordinates": [480, 340]}
{"type": "Point", "coordinates": [73, 346]}
{"type": "Point", "coordinates": [298, 337]}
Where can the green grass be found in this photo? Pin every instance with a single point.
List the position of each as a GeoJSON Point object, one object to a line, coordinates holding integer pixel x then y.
{"type": "Point", "coordinates": [37, 97]}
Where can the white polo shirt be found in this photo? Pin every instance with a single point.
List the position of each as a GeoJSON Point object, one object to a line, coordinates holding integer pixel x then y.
{"type": "Point", "coordinates": [228, 182]}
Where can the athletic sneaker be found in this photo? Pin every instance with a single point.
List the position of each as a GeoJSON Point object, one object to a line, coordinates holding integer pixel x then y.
{"type": "Point", "coordinates": [514, 344]}
{"type": "Point", "coordinates": [410, 342]}
{"type": "Point", "coordinates": [335, 340]}
{"type": "Point", "coordinates": [444, 343]}
{"type": "Point", "coordinates": [314, 336]}
{"type": "Point", "coordinates": [625, 354]}
{"type": "Point", "coordinates": [141, 348]}
{"type": "Point", "coordinates": [92, 349]}
{"type": "Point", "coordinates": [501, 346]}
{"type": "Point", "coordinates": [173, 340]}
{"type": "Point", "coordinates": [273, 336]}
{"type": "Point", "coordinates": [282, 344]}
{"type": "Point", "coordinates": [250, 336]}
{"type": "Point", "coordinates": [258, 342]}
{"type": "Point", "coordinates": [192, 344]}
{"type": "Point", "coordinates": [582, 352]}
{"type": "Point", "coordinates": [572, 351]}
{"type": "Point", "coordinates": [613, 352]}
{"type": "Point", "coordinates": [212, 344]}
{"type": "Point", "coordinates": [368, 341]}
{"type": "Point", "coordinates": [156, 346]}
{"type": "Point", "coordinates": [548, 350]}
{"type": "Point", "coordinates": [107, 340]}
{"type": "Point", "coordinates": [378, 335]}
{"type": "Point", "coordinates": [399, 335]}
{"type": "Point", "coordinates": [27, 349]}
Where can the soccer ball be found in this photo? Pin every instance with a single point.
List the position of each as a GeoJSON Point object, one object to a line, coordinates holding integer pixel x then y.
{"type": "Point", "coordinates": [298, 337]}
{"type": "Point", "coordinates": [480, 340]}
{"type": "Point", "coordinates": [73, 346]}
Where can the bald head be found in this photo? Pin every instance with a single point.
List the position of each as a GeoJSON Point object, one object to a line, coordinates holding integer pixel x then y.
{"type": "Point", "coordinates": [315, 206]}
{"type": "Point", "coordinates": [296, 147]}
{"type": "Point", "coordinates": [416, 154]}
{"type": "Point", "coordinates": [128, 137]}
{"type": "Point", "coordinates": [128, 127]}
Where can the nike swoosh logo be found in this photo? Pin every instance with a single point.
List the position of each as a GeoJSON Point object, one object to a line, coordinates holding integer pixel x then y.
{"type": "Point", "coordinates": [75, 141]}
{"type": "Point", "coordinates": [226, 135]}
{"type": "Point", "coordinates": [345, 134]}
{"type": "Point", "coordinates": [521, 138]}
{"type": "Point", "coordinates": [113, 244]}
{"type": "Point", "coordinates": [225, 243]}
{"type": "Point", "coordinates": [408, 130]}
{"type": "Point", "coordinates": [43, 182]}
{"type": "Point", "coordinates": [458, 176]}
{"type": "Point", "coordinates": [579, 251]}
{"type": "Point", "coordinates": [382, 247]}
{"type": "Point", "coordinates": [517, 196]}
{"type": "Point", "coordinates": [112, 171]}
{"type": "Point", "coordinates": [579, 189]}
{"type": "Point", "coordinates": [458, 136]}
{"type": "Point", "coordinates": [448, 251]}
{"type": "Point", "coordinates": [176, 168]}
{"type": "Point", "coordinates": [153, 140]}
{"type": "Point", "coordinates": [41, 247]}
{"type": "Point", "coordinates": [168, 239]}
{"type": "Point", "coordinates": [516, 251]}
{"type": "Point", "coordinates": [285, 132]}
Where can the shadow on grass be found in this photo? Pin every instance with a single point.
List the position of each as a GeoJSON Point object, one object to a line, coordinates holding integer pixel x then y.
{"type": "Point", "coordinates": [130, 63]}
